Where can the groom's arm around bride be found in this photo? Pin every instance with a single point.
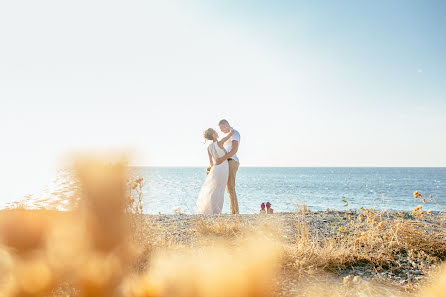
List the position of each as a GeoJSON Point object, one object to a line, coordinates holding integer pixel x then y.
{"type": "Point", "coordinates": [230, 154]}
{"type": "Point", "coordinates": [233, 146]}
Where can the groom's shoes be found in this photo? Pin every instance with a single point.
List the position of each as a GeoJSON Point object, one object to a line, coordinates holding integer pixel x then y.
{"type": "Point", "coordinates": [269, 210]}
{"type": "Point", "coordinates": [262, 208]}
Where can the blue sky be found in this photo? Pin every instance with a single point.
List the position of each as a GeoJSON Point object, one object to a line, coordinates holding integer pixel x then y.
{"type": "Point", "coordinates": [307, 83]}
{"type": "Point", "coordinates": [374, 43]}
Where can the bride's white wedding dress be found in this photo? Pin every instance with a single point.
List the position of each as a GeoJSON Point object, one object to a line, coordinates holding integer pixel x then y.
{"type": "Point", "coordinates": [212, 194]}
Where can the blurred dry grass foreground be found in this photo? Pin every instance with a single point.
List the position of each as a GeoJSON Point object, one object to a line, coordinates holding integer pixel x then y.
{"type": "Point", "coordinates": [108, 247]}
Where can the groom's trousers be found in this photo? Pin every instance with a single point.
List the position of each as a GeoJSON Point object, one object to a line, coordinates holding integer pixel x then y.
{"type": "Point", "coordinates": [230, 187]}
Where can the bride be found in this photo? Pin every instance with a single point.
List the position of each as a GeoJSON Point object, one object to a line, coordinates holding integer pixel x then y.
{"type": "Point", "coordinates": [210, 199]}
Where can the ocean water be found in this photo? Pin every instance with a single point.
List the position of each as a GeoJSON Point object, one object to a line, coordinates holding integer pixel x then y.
{"type": "Point", "coordinates": [168, 188]}
{"type": "Point", "coordinates": [285, 188]}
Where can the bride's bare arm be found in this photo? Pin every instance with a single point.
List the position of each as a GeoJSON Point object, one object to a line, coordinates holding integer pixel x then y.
{"type": "Point", "coordinates": [226, 138]}
{"type": "Point", "coordinates": [210, 158]}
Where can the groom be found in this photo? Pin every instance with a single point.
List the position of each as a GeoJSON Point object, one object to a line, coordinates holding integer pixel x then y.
{"type": "Point", "coordinates": [232, 148]}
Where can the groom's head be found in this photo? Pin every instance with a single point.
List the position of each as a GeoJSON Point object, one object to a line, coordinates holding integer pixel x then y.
{"type": "Point", "coordinates": [224, 126]}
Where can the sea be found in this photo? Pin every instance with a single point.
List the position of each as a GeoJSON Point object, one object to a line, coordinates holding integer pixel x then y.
{"type": "Point", "coordinates": [169, 190]}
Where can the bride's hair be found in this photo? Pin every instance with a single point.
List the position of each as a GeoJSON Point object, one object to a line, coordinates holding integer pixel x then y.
{"type": "Point", "coordinates": [209, 134]}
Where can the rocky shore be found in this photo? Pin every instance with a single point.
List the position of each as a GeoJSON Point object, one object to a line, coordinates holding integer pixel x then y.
{"type": "Point", "coordinates": [407, 273]}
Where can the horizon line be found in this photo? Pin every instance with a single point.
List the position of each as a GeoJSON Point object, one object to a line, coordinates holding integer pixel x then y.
{"type": "Point", "coordinates": [249, 166]}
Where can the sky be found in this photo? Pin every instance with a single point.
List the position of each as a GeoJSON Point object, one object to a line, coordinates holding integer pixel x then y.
{"type": "Point", "coordinates": [306, 83]}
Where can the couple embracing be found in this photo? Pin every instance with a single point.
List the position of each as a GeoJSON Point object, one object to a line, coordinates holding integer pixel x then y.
{"type": "Point", "coordinates": [224, 165]}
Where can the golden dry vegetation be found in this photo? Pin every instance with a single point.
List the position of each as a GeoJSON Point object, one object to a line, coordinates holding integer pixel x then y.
{"type": "Point", "coordinates": [108, 247]}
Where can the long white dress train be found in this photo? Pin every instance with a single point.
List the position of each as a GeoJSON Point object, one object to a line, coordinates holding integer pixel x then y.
{"type": "Point", "coordinates": [212, 193]}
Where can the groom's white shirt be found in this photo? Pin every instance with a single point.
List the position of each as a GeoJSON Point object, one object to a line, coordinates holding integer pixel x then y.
{"type": "Point", "coordinates": [228, 144]}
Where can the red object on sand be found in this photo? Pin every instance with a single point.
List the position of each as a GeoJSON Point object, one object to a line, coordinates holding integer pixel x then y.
{"type": "Point", "coordinates": [269, 210]}
{"type": "Point", "coordinates": [262, 208]}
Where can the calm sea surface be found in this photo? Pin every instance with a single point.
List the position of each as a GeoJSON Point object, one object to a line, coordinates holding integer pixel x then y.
{"type": "Point", "coordinates": [166, 189]}
{"type": "Point", "coordinates": [285, 188]}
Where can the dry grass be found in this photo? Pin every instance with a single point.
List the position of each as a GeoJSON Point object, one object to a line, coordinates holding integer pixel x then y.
{"type": "Point", "coordinates": [373, 238]}
{"type": "Point", "coordinates": [109, 248]}
{"type": "Point", "coordinates": [329, 286]}
{"type": "Point", "coordinates": [437, 286]}
{"type": "Point", "coordinates": [220, 227]}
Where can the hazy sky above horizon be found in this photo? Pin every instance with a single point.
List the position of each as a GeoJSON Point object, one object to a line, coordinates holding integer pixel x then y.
{"type": "Point", "coordinates": [313, 83]}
